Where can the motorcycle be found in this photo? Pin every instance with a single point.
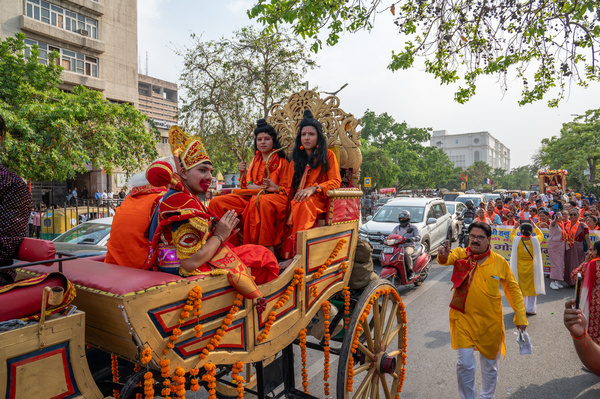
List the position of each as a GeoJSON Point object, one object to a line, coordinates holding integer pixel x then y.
{"type": "Point", "coordinates": [463, 238]}
{"type": "Point", "coordinates": [392, 262]}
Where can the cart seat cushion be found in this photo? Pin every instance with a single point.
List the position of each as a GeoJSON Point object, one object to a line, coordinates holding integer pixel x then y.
{"type": "Point", "coordinates": [24, 298]}
{"type": "Point", "coordinates": [34, 250]}
{"type": "Point", "coordinates": [114, 279]}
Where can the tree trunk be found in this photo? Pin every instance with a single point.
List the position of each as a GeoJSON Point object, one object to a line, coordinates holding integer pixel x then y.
{"type": "Point", "coordinates": [592, 166]}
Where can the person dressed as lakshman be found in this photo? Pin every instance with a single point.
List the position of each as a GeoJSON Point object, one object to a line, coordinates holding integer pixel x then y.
{"type": "Point", "coordinates": [476, 319]}
{"type": "Point", "coordinates": [186, 239]}
{"type": "Point", "coordinates": [254, 179]}
{"type": "Point", "coordinates": [313, 171]}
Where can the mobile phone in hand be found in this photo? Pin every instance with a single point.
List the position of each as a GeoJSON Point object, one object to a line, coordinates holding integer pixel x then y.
{"type": "Point", "coordinates": [578, 290]}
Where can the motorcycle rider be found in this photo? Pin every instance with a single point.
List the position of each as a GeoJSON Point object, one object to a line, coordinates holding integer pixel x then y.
{"type": "Point", "coordinates": [410, 237]}
{"type": "Point", "coordinates": [469, 211]}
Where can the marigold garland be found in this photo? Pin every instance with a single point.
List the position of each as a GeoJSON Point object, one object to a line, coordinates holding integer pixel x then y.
{"type": "Point", "coordinates": [324, 266]}
{"type": "Point", "coordinates": [114, 366]}
{"type": "Point", "coordinates": [148, 385]}
{"type": "Point", "coordinates": [214, 342]}
{"type": "Point", "coordinates": [302, 338]}
{"type": "Point", "coordinates": [209, 378]}
{"type": "Point", "coordinates": [236, 369]}
{"type": "Point", "coordinates": [296, 282]}
{"type": "Point", "coordinates": [165, 373]}
{"type": "Point", "coordinates": [137, 368]}
{"type": "Point", "coordinates": [179, 380]}
{"type": "Point", "coordinates": [194, 380]}
{"type": "Point", "coordinates": [326, 350]}
{"type": "Point", "coordinates": [346, 293]}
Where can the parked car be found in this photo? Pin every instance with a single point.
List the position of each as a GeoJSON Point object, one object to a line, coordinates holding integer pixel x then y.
{"type": "Point", "coordinates": [492, 196]}
{"type": "Point", "coordinates": [379, 203]}
{"type": "Point", "coordinates": [451, 196]}
{"type": "Point", "coordinates": [476, 198]}
{"type": "Point", "coordinates": [429, 215]}
{"type": "Point", "coordinates": [85, 239]}
{"type": "Point", "coordinates": [455, 209]}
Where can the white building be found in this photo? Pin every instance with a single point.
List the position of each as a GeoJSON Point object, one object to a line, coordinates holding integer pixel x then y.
{"type": "Point", "coordinates": [467, 148]}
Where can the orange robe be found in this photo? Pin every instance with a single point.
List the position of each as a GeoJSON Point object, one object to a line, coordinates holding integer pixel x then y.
{"type": "Point", "coordinates": [256, 172]}
{"type": "Point", "coordinates": [274, 208]}
{"type": "Point", "coordinates": [128, 245]}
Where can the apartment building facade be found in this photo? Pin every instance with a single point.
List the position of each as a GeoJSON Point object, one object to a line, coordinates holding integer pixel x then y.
{"type": "Point", "coordinates": [467, 148]}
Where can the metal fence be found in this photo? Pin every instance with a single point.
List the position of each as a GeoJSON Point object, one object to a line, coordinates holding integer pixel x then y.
{"type": "Point", "coordinates": [57, 220]}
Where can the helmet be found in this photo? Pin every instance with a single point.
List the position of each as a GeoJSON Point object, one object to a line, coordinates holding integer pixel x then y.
{"type": "Point", "coordinates": [469, 203]}
{"type": "Point", "coordinates": [404, 215]}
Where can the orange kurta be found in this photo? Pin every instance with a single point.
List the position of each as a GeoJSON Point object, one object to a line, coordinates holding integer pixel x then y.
{"type": "Point", "coordinates": [256, 172]}
{"type": "Point", "coordinates": [128, 245]}
{"type": "Point", "coordinates": [274, 208]}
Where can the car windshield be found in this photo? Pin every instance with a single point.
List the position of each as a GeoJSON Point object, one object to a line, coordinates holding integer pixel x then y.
{"type": "Point", "coordinates": [450, 208]}
{"type": "Point", "coordinates": [85, 233]}
{"type": "Point", "coordinates": [450, 197]}
{"type": "Point", "coordinates": [389, 213]}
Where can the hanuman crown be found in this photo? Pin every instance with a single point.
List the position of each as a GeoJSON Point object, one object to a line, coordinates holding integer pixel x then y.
{"type": "Point", "coordinates": [189, 149]}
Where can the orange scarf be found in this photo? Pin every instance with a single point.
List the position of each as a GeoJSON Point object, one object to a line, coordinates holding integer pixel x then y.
{"type": "Point", "coordinates": [484, 220]}
{"type": "Point", "coordinates": [570, 230]}
{"type": "Point", "coordinates": [523, 214]}
{"type": "Point", "coordinates": [491, 217]}
{"type": "Point", "coordinates": [507, 223]}
{"type": "Point", "coordinates": [256, 172]}
{"type": "Point", "coordinates": [462, 276]}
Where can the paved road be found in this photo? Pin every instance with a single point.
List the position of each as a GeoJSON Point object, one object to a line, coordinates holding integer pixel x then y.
{"type": "Point", "coordinates": [552, 371]}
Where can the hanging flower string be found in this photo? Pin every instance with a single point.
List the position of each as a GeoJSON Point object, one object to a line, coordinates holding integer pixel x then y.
{"type": "Point", "coordinates": [148, 380]}
{"type": "Point", "coordinates": [302, 338]}
{"type": "Point", "coordinates": [326, 350]}
{"type": "Point", "coordinates": [179, 380]}
{"type": "Point", "coordinates": [236, 378]}
{"type": "Point", "coordinates": [346, 293]}
{"type": "Point", "coordinates": [209, 378]}
{"type": "Point", "coordinates": [165, 373]}
{"type": "Point", "coordinates": [296, 281]}
{"type": "Point", "coordinates": [114, 366]}
{"type": "Point", "coordinates": [194, 381]}
{"type": "Point", "coordinates": [214, 342]}
{"type": "Point", "coordinates": [137, 368]}
{"type": "Point", "coordinates": [404, 342]}
{"type": "Point", "coordinates": [324, 266]}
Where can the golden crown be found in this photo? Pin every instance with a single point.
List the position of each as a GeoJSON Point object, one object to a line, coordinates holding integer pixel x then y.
{"type": "Point", "coordinates": [189, 149]}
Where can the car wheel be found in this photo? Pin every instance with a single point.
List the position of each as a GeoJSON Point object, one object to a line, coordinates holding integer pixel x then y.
{"type": "Point", "coordinates": [456, 234]}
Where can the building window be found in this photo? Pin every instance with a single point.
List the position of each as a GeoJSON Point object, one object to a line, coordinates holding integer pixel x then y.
{"type": "Point", "coordinates": [476, 141]}
{"type": "Point", "coordinates": [476, 156]}
{"type": "Point", "coordinates": [69, 60]}
{"type": "Point", "coordinates": [439, 143]}
{"type": "Point", "coordinates": [61, 18]}
{"type": "Point", "coordinates": [456, 141]}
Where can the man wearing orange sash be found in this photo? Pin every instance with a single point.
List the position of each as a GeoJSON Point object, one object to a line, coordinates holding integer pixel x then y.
{"type": "Point", "coordinates": [313, 171]}
{"type": "Point", "coordinates": [254, 178]}
{"type": "Point", "coordinates": [128, 245]}
{"type": "Point", "coordinates": [186, 239]}
{"type": "Point", "coordinates": [476, 319]}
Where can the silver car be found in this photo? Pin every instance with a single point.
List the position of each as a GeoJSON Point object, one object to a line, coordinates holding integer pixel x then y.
{"type": "Point", "coordinates": [86, 239]}
{"type": "Point", "coordinates": [429, 215]}
{"type": "Point", "coordinates": [454, 209]}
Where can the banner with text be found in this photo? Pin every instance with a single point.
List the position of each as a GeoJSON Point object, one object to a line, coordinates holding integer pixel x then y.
{"type": "Point", "coordinates": [501, 245]}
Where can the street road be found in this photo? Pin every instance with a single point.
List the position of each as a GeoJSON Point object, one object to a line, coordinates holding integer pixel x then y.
{"type": "Point", "coordinates": [552, 371]}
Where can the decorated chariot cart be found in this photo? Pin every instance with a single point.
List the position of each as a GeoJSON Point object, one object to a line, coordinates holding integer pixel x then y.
{"type": "Point", "coordinates": [166, 334]}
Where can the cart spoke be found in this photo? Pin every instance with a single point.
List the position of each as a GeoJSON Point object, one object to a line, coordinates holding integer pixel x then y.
{"type": "Point", "coordinates": [377, 325]}
{"type": "Point", "coordinates": [375, 387]}
{"type": "Point", "coordinates": [390, 323]}
{"type": "Point", "coordinates": [366, 351]}
{"type": "Point", "coordinates": [395, 353]}
{"type": "Point", "coordinates": [362, 367]}
{"type": "Point", "coordinates": [386, 389]}
{"type": "Point", "coordinates": [392, 335]}
{"type": "Point", "coordinates": [367, 332]}
{"type": "Point", "coordinates": [366, 382]}
{"type": "Point", "coordinates": [385, 301]}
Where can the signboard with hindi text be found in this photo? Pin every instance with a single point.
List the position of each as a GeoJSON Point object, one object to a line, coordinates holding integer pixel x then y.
{"type": "Point", "coordinates": [502, 246]}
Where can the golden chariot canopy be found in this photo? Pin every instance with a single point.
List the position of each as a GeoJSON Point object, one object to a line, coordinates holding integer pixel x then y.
{"type": "Point", "coordinates": [338, 126]}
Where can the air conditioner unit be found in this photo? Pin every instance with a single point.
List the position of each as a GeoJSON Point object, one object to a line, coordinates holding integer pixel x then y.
{"type": "Point", "coordinates": [83, 32]}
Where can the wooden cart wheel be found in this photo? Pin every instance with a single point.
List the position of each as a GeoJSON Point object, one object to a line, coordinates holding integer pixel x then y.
{"type": "Point", "coordinates": [130, 388]}
{"type": "Point", "coordinates": [376, 369]}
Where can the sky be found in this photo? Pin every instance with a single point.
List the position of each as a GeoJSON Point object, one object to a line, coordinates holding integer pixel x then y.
{"type": "Point", "coordinates": [361, 61]}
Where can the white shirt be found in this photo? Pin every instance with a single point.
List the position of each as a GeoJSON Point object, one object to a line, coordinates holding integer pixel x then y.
{"type": "Point", "coordinates": [104, 196]}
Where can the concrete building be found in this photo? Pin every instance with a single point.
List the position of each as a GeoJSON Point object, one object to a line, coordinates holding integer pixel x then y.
{"type": "Point", "coordinates": [158, 99]}
{"type": "Point", "coordinates": [467, 148]}
{"type": "Point", "coordinates": [97, 45]}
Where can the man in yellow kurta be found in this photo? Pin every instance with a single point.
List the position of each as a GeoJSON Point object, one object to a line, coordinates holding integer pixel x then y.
{"type": "Point", "coordinates": [476, 319]}
{"type": "Point", "coordinates": [526, 263]}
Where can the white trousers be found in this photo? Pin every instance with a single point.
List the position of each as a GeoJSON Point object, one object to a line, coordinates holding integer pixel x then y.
{"type": "Point", "coordinates": [465, 372]}
{"type": "Point", "coordinates": [530, 303]}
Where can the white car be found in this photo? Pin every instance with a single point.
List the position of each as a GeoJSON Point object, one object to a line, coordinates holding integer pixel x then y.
{"type": "Point", "coordinates": [454, 209]}
{"type": "Point", "coordinates": [429, 215]}
{"type": "Point", "coordinates": [86, 239]}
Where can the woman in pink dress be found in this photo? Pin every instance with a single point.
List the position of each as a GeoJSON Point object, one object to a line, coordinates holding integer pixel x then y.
{"type": "Point", "coordinates": [556, 249]}
{"type": "Point", "coordinates": [575, 233]}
